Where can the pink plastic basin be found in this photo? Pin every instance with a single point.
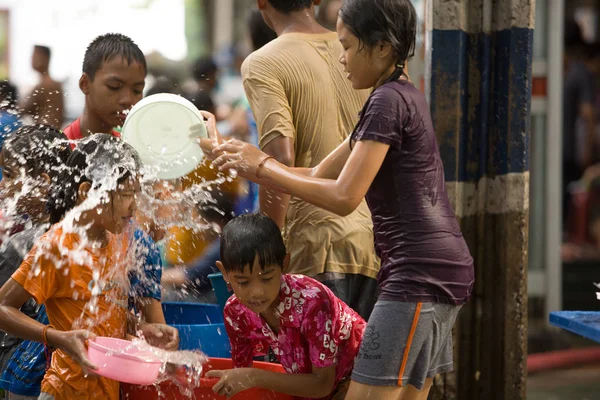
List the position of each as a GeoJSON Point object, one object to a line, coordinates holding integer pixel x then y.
{"type": "Point", "coordinates": [119, 360]}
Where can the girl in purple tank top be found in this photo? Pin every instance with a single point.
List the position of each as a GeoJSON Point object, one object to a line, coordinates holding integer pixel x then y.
{"type": "Point", "coordinates": [392, 159]}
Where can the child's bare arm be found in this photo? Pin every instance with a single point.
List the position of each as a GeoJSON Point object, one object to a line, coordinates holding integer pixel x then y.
{"type": "Point", "coordinates": [153, 312]}
{"type": "Point", "coordinates": [317, 384]}
{"type": "Point", "coordinates": [14, 322]}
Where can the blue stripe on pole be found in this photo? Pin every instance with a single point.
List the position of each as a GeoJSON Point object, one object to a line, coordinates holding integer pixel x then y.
{"type": "Point", "coordinates": [484, 133]}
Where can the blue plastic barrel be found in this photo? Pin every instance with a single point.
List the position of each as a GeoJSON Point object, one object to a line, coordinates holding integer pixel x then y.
{"type": "Point", "coordinates": [220, 289]}
{"type": "Point", "coordinates": [200, 327]}
{"type": "Point", "coordinates": [191, 313]}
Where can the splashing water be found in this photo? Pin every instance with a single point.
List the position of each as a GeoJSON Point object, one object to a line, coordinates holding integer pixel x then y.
{"type": "Point", "coordinates": [179, 208]}
{"type": "Point", "coordinates": [184, 368]}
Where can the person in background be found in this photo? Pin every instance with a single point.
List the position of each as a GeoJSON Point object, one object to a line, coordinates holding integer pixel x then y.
{"type": "Point", "coordinates": [591, 60]}
{"type": "Point", "coordinates": [45, 103]}
{"type": "Point", "coordinates": [304, 108]}
{"type": "Point", "coordinates": [185, 246]}
{"type": "Point", "coordinates": [328, 12]}
{"type": "Point", "coordinates": [9, 122]}
{"type": "Point", "coordinates": [162, 84]}
{"type": "Point", "coordinates": [146, 293]}
{"type": "Point", "coordinates": [193, 278]}
{"type": "Point", "coordinates": [579, 98]}
{"type": "Point", "coordinates": [9, 115]}
{"type": "Point", "coordinates": [202, 100]}
{"type": "Point", "coordinates": [243, 124]}
{"type": "Point", "coordinates": [205, 73]}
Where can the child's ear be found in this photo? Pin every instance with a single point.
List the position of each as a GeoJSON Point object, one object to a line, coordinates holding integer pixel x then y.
{"type": "Point", "coordinates": [82, 193]}
{"type": "Point", "coordinates": [222, 269]}
{"type": "Point", "coordinates": [84, 83]}
{"type": "Point", "coordinates": [286, 264]}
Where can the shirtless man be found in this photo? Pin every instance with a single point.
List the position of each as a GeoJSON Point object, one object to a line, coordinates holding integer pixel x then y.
{"type": "Point", "coordinates": [45, 103]}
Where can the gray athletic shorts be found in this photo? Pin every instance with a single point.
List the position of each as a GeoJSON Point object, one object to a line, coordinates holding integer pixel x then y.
{"type": "Point", "coordinates": [405, 343]}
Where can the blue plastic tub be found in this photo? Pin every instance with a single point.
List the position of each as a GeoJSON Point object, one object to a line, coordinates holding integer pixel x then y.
{"type": "Point", "coordinates": [192, 313]}
{"type": "Point", "coordinates": [200, 327]}
{"type": "Point", "coordinates": [211, 339]}
{"type": "Point", "coordinates": [220, 289]}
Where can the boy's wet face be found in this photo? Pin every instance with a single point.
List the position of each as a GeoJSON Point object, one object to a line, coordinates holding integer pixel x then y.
{"type": "Point", "coordinates": [257, 289]}
{"type": "Point", "coordinates": [116, 87]}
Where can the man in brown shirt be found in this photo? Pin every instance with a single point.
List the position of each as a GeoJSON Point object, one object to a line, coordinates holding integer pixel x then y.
{"type": "Point", "coordinates": [304, 108]}
{"type": "Point", "coordinates": [45, 102]}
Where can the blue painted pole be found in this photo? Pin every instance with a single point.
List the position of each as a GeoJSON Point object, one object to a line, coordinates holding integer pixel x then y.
{"type": "Point", "coordinates": [479, 54]}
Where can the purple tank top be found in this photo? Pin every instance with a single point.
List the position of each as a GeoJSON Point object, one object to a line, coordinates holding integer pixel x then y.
{"type": "Point", "coordinates": [424, 257]}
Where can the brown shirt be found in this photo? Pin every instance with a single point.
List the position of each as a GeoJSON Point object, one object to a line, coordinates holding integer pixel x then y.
{"type": "Point", "coordinates": [297, 88]}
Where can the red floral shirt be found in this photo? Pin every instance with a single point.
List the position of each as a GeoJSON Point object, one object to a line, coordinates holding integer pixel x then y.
{"type": "Point", "coordinates": [316, 329]}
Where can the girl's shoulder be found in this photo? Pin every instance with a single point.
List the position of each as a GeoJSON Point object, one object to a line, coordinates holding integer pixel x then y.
{"type": "Point", "coordinates": [395, 90]}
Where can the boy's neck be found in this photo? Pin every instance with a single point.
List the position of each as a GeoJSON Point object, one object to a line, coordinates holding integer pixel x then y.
{"type": "Point", "coordinates": [272, 318]}
{"type": "Point", "coordinates": [90, 124]}
{"type": "Point", "coordinates": [303, 21]}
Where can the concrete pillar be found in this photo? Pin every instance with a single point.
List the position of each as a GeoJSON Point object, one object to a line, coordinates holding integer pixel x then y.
{"type": "Point", "coordinates": [478, 82]}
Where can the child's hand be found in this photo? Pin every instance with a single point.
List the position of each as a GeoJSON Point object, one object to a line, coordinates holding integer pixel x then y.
{"type": "Point", "coordinates": [74, 344]}
{"type": "Point", "coordinates": [242, 156]}
{"type": "Point", "coordinates": [160, 335]}
{"type": "Point", "coordinates": [231, 381]}
{"type": "Point", "coordinates": [211, 128]}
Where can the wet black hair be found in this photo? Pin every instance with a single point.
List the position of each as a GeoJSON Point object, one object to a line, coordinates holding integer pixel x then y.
{"type": "Point", "coordinates": [45, 50]}
{"type": "Point", "coordinates": [106, 47]}
{"type": "Point", "coordinates": [250, 236]}
{"type": "Point", "coordinates": [102, 155]}
{"type": "Point", "coordinates": [203, 67]}
{"type": "Point", "coordinates": [392, 21]}
{"type": "Point", "coordinates": [219, 210]}
{"type": "Point", "coordinates": [260, 33]}
{"type": "Point", "coordinates": [40, 149]}
{"type": "Point", "coordinates": [288, 6]}
{"type": "Point", "coordinates": [8, 94]}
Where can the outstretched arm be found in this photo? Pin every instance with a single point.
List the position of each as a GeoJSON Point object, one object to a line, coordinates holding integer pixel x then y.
{"type": "Point", "coordinates": [14, 322]}
{"type": "Point", "coordinates": [341, 195]}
